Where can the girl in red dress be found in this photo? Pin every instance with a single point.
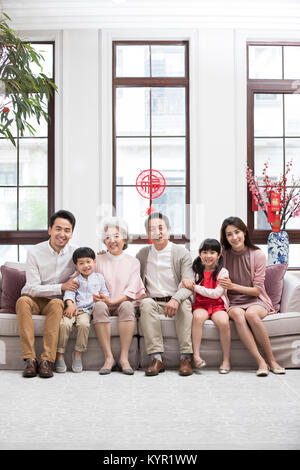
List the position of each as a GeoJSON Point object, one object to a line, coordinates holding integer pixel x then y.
{"type": "Point", "coordinates": [210, 300]}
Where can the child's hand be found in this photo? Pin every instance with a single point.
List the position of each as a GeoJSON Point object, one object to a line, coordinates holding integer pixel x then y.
{"type": "Point", "coordinates": [69, 310]}
{"type": "Point", "coordinates": [188, 284]}
{"type": "Point", "coordinates": [103, 298]}
{"type": "Point", "coordinates": [96, 297]}
{"type": "Point", "coordinates": [106, 300]}
{"type": "Point", "coordinates": [226, 283]}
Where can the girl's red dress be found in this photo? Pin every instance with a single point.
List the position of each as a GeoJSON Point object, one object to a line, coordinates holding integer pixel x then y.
{"type": "Point", "coordinates": [211, 305]}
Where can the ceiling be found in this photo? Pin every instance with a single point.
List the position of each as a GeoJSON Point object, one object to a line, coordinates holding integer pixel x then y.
{"type": "Point", "coordinates": [43, 14]}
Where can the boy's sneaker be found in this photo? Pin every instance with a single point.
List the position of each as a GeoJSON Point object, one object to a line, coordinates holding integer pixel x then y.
{"type": "Point", "coordinates": [60, 366]}
{"type": "Point", "coordinates": [76, 364]}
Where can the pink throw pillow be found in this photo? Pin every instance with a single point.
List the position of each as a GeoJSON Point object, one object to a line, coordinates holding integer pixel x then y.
{"type": "Point", "coordinates": [274, 283]}
{"type": "Point", "coordinates": [12, 282]}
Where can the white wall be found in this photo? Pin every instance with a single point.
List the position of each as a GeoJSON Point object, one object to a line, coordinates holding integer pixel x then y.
{"type": "Point", "coordinates": [217, 97]}
{"type": "Point", "coordinates": [79, 99]}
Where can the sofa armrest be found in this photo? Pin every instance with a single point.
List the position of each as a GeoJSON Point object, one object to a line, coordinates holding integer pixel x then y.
{"type": "Point", "coordinates": [290, 300]}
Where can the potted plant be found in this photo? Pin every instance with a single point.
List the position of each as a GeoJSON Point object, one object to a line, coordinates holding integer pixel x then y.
{"type": "Point", "coordinates": [280, 201]}
{"type": "Point", "coordinates": [22, 93]}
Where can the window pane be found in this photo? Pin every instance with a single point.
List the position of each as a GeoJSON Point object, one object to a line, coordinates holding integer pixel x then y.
{"type": "Point", "coordinates": [132, 207]}
{"type": "Point", "coordinates": [293, 224]}
{"type": "Point", "coordinates": [8, 209]}
{"type": "Point", "coordinates": [292, 115]}
{"type": "Point", "coordinates": [132, 61]}
{"type": "Point", "coordinates": [8, 253]}
{"type": "Point", "coordinates": [292, 152]}
{"type": "Point", "coordinates": [33, 162]}
{"type": "Point", "coordinates": [265, 62]}
{"type": "Point", "coordinates": [268, 115]}
{"type": "Point", "coordinates": [271, 151]}
{"type": "Point", "coordinates": [33, 208]}
{"type": "Point", "coordinates": [46, 50]}
{"type": "Point", "coordinates": [168, 61]}
{"type": "Point", "coordinates": [133, 248]}
{"type": "Point", "coordinates": [132, 157]}
{"type": "Point", "coordinates": [168, 111]}
{"type": "Point", "coordinates": [12, 128]}
{"type": "Point", "coordinates": [260, 221]}
{"type": "Point", "coordinates": [8, 163]}
{"type": "Point", "coordinates": [172, 203]}
{"type": "Point", "coordinates": [168, 157]}
{"type": "Point", "coordinates": [132, 112]}
{"type": "Point", "coordinates": [291, 62]}
{"type": "Point", "coordinates": [23, 250]}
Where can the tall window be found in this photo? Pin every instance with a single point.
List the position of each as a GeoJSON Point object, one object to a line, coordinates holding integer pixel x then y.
{"type": "Point", "coordinates": [27, 179]}
{"type": "Point", "coordinates": [151, 131]}
{"type": "Point", "coordinates": [274, 124]}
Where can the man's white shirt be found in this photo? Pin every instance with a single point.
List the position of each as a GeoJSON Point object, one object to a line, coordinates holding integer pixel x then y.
{"type": "Point", "coordinates": [47, 270]}
{"type": "Point", "coordinates": [160, 281]}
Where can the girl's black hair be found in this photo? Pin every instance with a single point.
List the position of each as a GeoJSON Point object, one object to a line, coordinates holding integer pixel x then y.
{"type": "Point", "coordinates": [198, 267]}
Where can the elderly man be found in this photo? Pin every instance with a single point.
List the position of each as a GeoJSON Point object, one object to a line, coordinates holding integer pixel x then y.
{"type": "Point", "coordinates": [48, 269]}
{"type": "Point", "coordinates": [163, 266]}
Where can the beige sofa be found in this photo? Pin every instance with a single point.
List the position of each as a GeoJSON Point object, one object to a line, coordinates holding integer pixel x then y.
{"type": "Point", "coordinates": [283, 328]}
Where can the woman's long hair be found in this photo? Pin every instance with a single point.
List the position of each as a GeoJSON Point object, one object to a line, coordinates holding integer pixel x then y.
{"type": "Point", "coordinates": [237, 222]}
{"type": "Point", "coordinates": [198, 267]}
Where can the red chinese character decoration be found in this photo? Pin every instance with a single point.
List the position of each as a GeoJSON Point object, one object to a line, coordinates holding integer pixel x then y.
{"type": "Point", "coordinates": [150, 184]}
{"type": "Point", "coordinates": [275, 201]}
{"type": "Point", "coordinates": [276, 223]}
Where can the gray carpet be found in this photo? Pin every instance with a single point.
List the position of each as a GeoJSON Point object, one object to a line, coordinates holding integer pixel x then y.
{"type": "Point", "coordinates": [169, 412]}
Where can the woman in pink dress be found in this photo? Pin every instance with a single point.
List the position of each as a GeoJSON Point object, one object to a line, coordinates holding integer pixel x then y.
{"type": "Point", "coordinates": [248, 300]}
{"type": "Point", "coordinates": [122, 276]}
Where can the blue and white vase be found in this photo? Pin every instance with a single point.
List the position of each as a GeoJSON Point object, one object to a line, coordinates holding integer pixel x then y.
{"type": "Point", "coordinates": [278, 248]}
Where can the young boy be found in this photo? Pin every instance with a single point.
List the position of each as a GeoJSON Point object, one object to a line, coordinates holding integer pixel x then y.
{"type": "Point", "coordinates": [78, 308]}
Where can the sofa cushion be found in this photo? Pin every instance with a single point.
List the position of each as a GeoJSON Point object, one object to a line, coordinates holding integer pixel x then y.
{"type": "Point", "coordinates": [12, 282]}
{"type": "Point", "coordinates": [277, 324]}
{"type": "Point", "coordinates": [9, 326]}
{"type": "Point", "coordinates": [274, 283]}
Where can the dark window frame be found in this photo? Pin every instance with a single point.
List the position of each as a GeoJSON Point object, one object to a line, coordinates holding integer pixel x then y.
{"type": "Point", "coordinates": [31, 237]}
{"type": "Point", "coordinates": [152, 82]}
{"type": "Point", "coordinates": [265, 86]}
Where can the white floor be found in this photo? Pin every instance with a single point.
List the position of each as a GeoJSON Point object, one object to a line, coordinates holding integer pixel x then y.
{"type": "Point", "coordinates": [169, 412]}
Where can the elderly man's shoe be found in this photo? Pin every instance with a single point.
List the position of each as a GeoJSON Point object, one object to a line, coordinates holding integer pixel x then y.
{"type": "Point", "coordinates": [45, 369]}
{"type": "Point", "coordinates": [30, 368]}
{"type": "Point", "coordinates": [185, 367]}
{"type": "Point", "coordinates": [155, 368]}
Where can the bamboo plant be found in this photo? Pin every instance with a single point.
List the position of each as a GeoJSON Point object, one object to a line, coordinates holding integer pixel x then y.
{"type": "Point", "coordinates": [22, 93]}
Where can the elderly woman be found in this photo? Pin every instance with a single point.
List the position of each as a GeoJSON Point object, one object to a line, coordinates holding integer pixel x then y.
{"type": "Point", "coordinates": [124, 284]}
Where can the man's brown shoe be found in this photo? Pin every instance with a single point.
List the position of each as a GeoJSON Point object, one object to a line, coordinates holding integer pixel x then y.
{"type": "Point", "coordinates": [45, 369]}
{"type": "Point", "coordinates": [185, 367]}
{"type": "Point", "coordinates": [30, 368]}
{"type": "Point", "coordinates": [155, 368]}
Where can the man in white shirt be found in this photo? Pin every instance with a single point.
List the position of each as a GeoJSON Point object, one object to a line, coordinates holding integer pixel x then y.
{"type": "Point", "coordinates": [49, 267]}
{"type": "Point", "coordinates": [163, 266]}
